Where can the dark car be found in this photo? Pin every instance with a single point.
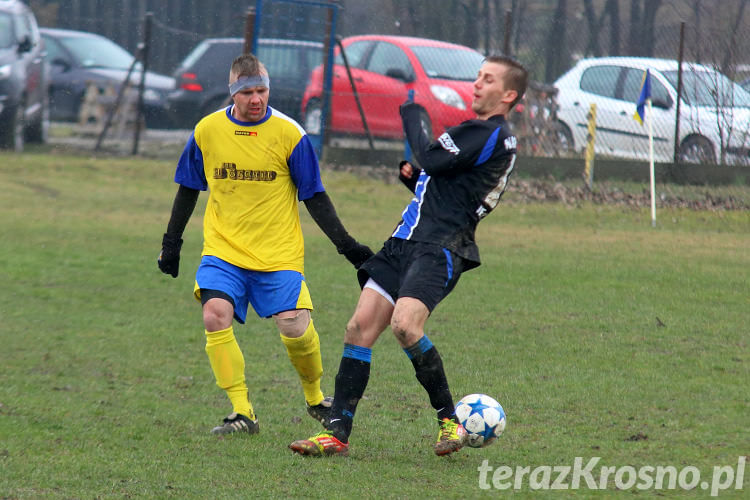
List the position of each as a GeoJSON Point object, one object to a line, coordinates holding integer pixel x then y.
{"type": "Point", "coordinates": [203, 75]}
{"type": "Point", "coordinates": [23, 78]}
{"type": "Point", "coordinates": [79, 58]}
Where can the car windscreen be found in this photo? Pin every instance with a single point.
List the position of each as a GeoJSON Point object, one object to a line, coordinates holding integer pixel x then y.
{"type": "Point", "coordinates": [214, 62]}
{"type": "Point", "coordinates": [194, 55]}
{"type": "Point", "coordinates": [6, 31]}
{"type": "Point", "coordinates": [709, 88]}
{"type": "Point", "coordinates": [448, 63]}
{"type": "Point", "coordinates": [95, 52]}
{"type": "Point", "coordinates": [286, 62]}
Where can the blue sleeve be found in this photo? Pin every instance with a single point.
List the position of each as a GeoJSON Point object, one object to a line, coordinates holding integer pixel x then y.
{"type": "Point", "coordinates": [303, 166]}
{"type": "Point", "coordinates": [190, 172]}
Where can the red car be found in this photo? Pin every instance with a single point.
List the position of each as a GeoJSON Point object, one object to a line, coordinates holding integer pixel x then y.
{"type": "Point", "coordinates": [384, 70]}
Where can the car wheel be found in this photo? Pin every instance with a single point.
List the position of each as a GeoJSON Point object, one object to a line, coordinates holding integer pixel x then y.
{"type": "Point", "coordinates": [38, 132]}
{"type": "Point", "coordinates": [313, 113]}
{"type": "Point", "coordinates": [697, 149]}
{"type": "Point", "coordinates": [11, 135]}
{"type": "Point", "coordinates": [426, 124]}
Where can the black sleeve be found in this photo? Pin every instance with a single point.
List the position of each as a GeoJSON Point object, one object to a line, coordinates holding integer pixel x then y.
{"type": "Point", "coordinates": [182, 209]}
{"type": "Point", "coordinates": [458, 148]}
{"type": "Point", "coordinates": [411, 182]}
{"type": "Point", "coordinates": [324, 214]}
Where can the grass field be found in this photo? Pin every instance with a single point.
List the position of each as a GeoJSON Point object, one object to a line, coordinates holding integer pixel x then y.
{"type": "Point", "coordinates": [600, 335]}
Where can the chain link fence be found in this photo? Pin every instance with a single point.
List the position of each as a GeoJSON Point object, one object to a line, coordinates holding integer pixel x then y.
{"type": "Point", "coordinates": [698, 115]}
{"type": "Point", "coordinates": [548, 36]}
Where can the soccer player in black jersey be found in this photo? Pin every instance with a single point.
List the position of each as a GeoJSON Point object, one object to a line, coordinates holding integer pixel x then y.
{"type": "Point", "coordinates": [462, 177]}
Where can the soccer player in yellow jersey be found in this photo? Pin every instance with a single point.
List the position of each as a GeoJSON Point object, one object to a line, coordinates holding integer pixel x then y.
{"type": "Point", "coordinates": [256, 164]}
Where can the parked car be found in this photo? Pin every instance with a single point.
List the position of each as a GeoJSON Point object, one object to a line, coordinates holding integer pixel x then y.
{"type": "Point", "coordinates": [79, 58]}
{"type": "Point", "coordinates": [384, 70]}
{"type": "Point", "coordinates": [202, 76]}
{"type": "Point", "coordinates": [24, 74]}
{"type": "Point", "coordinates": [714, 111]}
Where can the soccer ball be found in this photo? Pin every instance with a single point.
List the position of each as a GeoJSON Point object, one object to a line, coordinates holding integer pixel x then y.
{"type": "Point", "coordinates": [482, 417]}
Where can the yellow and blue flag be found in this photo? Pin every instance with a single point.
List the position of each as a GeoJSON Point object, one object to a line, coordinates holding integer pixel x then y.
{"type": "Point", "coordinates": [640, 110]}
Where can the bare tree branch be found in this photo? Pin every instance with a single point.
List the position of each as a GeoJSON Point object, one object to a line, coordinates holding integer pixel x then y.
{"type": "Point", "coordinates": [634, 37]}
{"type": "Point", "coordinates": [730, 54]}
{"type": "Point", "coordinates": [556, 43]}
{"type": "Point", "coordinates": [613, 9]}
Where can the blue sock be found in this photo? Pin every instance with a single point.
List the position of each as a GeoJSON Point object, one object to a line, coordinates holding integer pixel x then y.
{"type": "Point", "coordinates": [422, 346]}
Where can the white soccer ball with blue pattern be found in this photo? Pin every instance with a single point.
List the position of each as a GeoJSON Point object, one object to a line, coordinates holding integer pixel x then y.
{"type": "Point", "coordinates": [482, 417]}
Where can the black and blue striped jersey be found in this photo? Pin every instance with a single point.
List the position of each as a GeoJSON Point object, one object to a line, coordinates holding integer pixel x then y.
{"type": "Point", "coordinates": [461, 178]}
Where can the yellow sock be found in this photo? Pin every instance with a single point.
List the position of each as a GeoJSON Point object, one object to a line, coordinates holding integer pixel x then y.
{"type": "Point", "coordinates": [228, 365]}
{"type": "Point", "coordinates": [304, 353]}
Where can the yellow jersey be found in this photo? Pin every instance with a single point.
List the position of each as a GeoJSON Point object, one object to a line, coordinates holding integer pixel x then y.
{"type": "Point", "coordinates": [255, 173]}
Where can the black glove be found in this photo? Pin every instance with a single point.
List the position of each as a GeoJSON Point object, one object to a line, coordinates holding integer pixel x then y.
{"type": "Point", "coordinates": [357, 254]}
{"type": "Point", "coordinates": [169, 258]}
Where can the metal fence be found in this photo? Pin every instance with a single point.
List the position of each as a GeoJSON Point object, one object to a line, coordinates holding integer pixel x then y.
{"type": "Point", "coordinates": [306, 20]}
{"type": "Point", "coordinates": [548, 36]}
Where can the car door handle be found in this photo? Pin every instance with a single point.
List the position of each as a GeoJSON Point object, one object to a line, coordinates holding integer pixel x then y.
{"type": "Point", "coordinates": [624, 113]}
{"type": "Point", "coordinates": [355, 78]}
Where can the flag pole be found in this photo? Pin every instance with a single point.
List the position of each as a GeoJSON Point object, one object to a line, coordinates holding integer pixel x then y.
{"type": "Point", "coordinates": [651, 163]}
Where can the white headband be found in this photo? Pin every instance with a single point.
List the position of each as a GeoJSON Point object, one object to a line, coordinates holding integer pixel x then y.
{"type": "Point", "coordinates": [249, 82]}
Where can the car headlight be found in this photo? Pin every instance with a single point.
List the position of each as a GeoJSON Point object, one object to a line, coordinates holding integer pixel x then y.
{"type": "Point", "coordinates": [4, 71]}
{"type": "Point", "coordinates": [448, 96]}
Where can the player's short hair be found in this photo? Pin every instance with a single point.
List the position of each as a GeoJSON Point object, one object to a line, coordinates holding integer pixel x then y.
{"type": "Point", "coordinates": [516, 77]}
{"type": "Point", "coordinates": [248, 65]}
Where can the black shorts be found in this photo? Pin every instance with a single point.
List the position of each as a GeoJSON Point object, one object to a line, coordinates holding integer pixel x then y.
{"type": "Point", "coordinates": [404, 268]}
